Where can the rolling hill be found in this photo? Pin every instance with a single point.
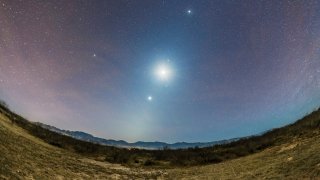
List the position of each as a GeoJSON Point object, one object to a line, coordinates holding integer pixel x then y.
{"type": "Point", "coordinates": [139, 144]}
{"type": "Point", "coordinates": [31, 152]}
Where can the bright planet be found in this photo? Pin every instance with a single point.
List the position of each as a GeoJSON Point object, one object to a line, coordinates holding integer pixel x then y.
{"type": "Point", "coordinates": [163, 72]}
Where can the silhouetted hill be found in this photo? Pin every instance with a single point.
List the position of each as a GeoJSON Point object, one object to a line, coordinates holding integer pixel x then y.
{"type": "Point", "coordinates": [28, 151]}
{"type": "Point", "coordinates": [304, 128]}
{"type": "Point", "coordinates": [140, 144]}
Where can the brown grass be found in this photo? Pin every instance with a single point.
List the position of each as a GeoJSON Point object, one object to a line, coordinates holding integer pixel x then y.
{"type": "Point", "coordinates": [297, 159]}
{"type": "Point", "coordinates": [294, 154]}
{"type": "Point", "coordinates": [23, 156]}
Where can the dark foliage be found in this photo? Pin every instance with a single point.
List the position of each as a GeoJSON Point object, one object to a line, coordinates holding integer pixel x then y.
{"type": "Point", "coordinates": [4, 104]}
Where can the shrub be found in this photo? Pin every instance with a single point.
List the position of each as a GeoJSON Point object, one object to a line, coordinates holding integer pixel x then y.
{"type": "Point", "coordinates": [149, 162]}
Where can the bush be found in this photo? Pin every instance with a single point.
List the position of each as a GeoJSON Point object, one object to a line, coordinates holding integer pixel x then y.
{"type": "Point", "coordinates": [149, 162]}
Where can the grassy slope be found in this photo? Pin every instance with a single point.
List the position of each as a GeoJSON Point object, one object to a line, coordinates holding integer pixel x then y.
{"type": "Point", "coordinates": [297, 159]}
{"type": "Point", "coordinates": [292, 152]}
{"type": "Point", "coordinates": [23, 156]}
{"type": "Point", "coordinates": [184, 157]}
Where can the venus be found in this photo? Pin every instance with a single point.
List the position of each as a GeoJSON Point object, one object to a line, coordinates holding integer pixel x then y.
{"type": "Point", "coordinates": [163, 72]}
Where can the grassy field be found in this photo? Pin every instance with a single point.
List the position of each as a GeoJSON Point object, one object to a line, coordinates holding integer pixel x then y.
{"type": "Point", "coordinates": [297, 159]}
{"type": "Point", "coordinates": [23, 156]}
{"type": "Point", "coordinates": [291, 152]}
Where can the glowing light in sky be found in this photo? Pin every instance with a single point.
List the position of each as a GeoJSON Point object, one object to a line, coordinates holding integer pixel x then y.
{"type": "Point", "coordinates": [236, 68]}
{"type": "Point", "coordinates": [163, 72]}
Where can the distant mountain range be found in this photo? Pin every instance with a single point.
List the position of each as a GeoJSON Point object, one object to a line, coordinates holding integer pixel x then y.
{"type": "Point", "coordinates": [140, 144]}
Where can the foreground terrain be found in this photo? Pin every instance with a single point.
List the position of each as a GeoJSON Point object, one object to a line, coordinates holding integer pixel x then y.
{"type": "Point", "coordinates": [297, 159]}
{"type": "Point", "coordinates": [24, 156]}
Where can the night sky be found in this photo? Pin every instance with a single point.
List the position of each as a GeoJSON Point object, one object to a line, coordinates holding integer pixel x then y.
{"type": "Point", "coordinates": [160, 70]}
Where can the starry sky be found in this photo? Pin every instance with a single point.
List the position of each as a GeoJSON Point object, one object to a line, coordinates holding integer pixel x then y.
{"type": "Point", "coordinates": [161, 70]}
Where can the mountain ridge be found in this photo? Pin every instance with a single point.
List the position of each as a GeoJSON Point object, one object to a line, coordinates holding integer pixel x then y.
{"type": "Point", "coordinates": [29, 151]}
{"type": "Point", "coordinates": [152, 145]}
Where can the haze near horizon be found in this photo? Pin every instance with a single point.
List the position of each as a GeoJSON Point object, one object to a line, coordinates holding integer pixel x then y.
{"type": "Point", "coordinates": [161, 70]}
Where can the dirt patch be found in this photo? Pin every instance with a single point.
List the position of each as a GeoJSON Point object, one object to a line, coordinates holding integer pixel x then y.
{"type": "Point", "coordinates": [290, 159]}
{"type": "Point", "coordinates": [287, 148]}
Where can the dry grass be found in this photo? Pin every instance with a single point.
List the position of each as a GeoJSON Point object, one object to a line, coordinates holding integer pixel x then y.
{"type": "Point", "coordinates": [23, 156]}
{"type": "Point", "coordinates": [298, 159]}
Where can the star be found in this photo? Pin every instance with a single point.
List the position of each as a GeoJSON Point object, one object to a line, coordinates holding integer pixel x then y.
{"type": "Point", "coordinates": [189, 11]}
{"type": "Point", "coordinates": [149, 98]}
{"type": "Point", "coordinates": [94, 55]}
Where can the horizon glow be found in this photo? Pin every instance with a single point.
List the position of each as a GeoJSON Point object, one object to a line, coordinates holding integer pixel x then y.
{"type": "Point", "coordinates": [161, 70]}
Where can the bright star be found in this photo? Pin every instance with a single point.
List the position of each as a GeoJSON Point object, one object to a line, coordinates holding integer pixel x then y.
{"type": "Point", "coordinates": [149, 98]}
{"type": "Point", "coordinates": [189, 11]}
{"type": "Point", "coordinates": [94, 55]}
{"type": "Point", "coordinates": [163, 72]}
